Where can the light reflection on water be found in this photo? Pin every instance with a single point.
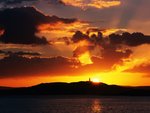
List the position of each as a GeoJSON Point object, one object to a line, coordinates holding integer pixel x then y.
{"type": "Point", "coordinates": [74, 105]}
{"type": "Point", "coordinates": [96, 106]}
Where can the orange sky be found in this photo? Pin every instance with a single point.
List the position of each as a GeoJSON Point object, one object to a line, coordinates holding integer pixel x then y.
{"type": "Point", "coordinates": [124, 79]}
{"type": "Point", "coordinates": [80, 43]}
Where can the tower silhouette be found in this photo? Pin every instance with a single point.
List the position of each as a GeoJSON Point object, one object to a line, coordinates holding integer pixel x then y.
{"type": "Point", "coordinates": [89, 79]}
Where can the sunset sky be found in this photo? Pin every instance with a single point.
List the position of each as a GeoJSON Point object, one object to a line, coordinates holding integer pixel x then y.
{"type": "Point", "coordinates": [74, 40]}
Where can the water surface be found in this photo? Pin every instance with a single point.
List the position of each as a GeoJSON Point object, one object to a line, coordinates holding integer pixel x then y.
{"type": "Point", "coordinates": [48, 104]}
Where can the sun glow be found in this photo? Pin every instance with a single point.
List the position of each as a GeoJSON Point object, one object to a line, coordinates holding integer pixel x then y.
{"type": "Point", "coordinates": [95, 80]}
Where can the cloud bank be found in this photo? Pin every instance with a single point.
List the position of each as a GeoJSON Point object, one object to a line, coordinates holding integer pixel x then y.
{"type": "Point", "coordinates": [91, 50]}
{"type": "Point", "coordinates": [20, 25]}
{"type": "Point", "coordinates": [92, 3]}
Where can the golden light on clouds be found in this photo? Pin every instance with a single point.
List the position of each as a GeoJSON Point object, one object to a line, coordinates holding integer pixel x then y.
{"type": "Point", "coordinates": [110, 31]}
{"type": "Point", "coordinates": [105, 32]}
{"type": "Point", "coordinates": [129, 64]}
{"type": "Point", "coordinates": [85, 58]}
{"type": "Point", "coordinates": [92, 3]}
{"type": "Point", "coordinates": [61, 29]}
{"type": "Point", "coordinates": [83, 54]}
{"type": "Point", "coordinates": [104, 3]}
{"type": "Point", "coordinates": [136, 59]}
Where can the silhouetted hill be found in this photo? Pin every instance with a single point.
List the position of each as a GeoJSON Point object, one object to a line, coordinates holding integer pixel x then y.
{"type": "Point", "coordinates": [78, 88]}
{"type": "Point", "coordinates": [4, 88]}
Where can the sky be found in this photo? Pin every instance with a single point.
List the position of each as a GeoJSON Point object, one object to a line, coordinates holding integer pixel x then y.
{"type": "Point", "coordinates": [74, 40]}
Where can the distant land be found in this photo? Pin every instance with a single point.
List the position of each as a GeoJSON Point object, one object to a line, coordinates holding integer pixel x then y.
{"type": "Point", "coordinates": [77, 88]}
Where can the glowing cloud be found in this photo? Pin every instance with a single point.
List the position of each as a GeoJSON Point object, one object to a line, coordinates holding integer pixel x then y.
{"type": "Point", "coordinates": [110, 31]}
{"type": "Point", "coordinates": [85, 58]}
{"type": "Point", "coordinates": [92, 3]}
{"type": "Point", "coordinates": [136, 59]}
{"type": "Point", "coordinates": [106, 32]}
{"type": "Point", "coordinates": [61, 29]}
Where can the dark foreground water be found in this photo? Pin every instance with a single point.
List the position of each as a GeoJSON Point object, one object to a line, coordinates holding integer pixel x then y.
{"type": "Point", "coordinates": [64, 104]}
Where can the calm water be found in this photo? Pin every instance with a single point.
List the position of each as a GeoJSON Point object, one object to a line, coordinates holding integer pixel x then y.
{"type": "Point", "coordinates": [74, 105]}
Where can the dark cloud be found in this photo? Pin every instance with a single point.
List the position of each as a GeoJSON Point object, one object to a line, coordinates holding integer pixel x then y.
{"type": "Point", "coordinates": [2, 52]}
{"type": "Point", "coordinates": [134, 39]}
{"type": "Point", "coordinates": [109, 58]}
{"type": "Point", "coordinates": [10, 2]}
{"type": "Point", "coordinates": [112, 56]}
{"type": "Point", "coordinates": [79, 36]}
{"type": "Point", "coordinates": [110, 49]}
{"type": "Point", "coordinates": [14, 1]}
{"type": "Point", "coordinates": [20, 25]}
{"type": "Point", "coordinates": [20, 53]}
{"type": "Point", "coordinates": [105, 63]}
{"type": "Point", "coordinates": [15, 65]}
{"type": "Point", "coordinates": [60, 2]}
